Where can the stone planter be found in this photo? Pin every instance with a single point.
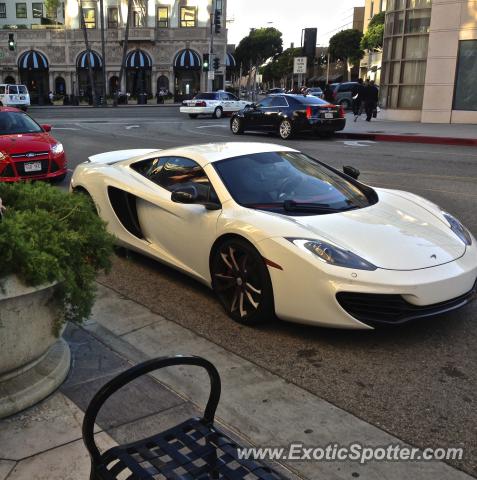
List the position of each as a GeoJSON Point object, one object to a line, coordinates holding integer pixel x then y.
{"type": "Point", "coordinates": [33, 361]}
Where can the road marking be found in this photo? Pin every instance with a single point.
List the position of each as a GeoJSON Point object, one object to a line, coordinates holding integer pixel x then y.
{"type": "Point", "coordinates": [128, 127]}
{"type": "Point", "coordinates": [213, 126]}
{"type": "Point", "coordinates": [357, 143]}
{"type": "Point", "coordinates": [64, 128]}
{"type": "Point", "coordinates": [443, 153]}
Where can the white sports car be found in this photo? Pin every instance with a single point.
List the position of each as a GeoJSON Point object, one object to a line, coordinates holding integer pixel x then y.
{"type": "Point", "coordinates": [212, 103]}
{"type": "Point", "coordinates": [275, 232]}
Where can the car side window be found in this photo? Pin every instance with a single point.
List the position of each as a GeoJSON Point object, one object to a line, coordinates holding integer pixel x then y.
{"type": "Point", "coordinates": [266, 102]}
{"type": "Point", "coordinates": [279, 102]}
{"type": "Point", "coordinates": [12, 89]}
{"type": "Point", "coordinates": [22, 89]}
{"type": "Point", "coordinates": [172, 173]}
{"type": "Point", "coordinates": [345, 88]}
{"type": "Point", "coordinates": [232, 97]}
{"type": "Point", "coordinates": [2, 89]}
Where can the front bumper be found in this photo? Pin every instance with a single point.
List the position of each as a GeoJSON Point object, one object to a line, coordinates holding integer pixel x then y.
{"type": "Point", "coordinates": [308, 290]}
{"type": "Point", "coordinates": [51, 168]}
{"type": "Point", "coordinates": [197, 110]}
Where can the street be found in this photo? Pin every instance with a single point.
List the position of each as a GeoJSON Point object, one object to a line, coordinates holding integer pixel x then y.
{"type": "Point", "coordinates": [417, 382]}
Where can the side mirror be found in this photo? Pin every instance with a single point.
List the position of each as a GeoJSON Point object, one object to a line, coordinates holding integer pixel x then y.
{"type": "Point", "coordinates": [351, 171]}
{"type": "Point", "coordinates": [185, 195]}
{"type": "Point", "coordinates": [46, 127]}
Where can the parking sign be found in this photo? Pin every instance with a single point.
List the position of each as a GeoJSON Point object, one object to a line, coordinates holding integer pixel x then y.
{"type": "Point", "coordinates": [299, 65]}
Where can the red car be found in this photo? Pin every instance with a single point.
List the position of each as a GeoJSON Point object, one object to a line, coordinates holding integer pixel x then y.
{"type": "Point", "coordinates": [27, 150]}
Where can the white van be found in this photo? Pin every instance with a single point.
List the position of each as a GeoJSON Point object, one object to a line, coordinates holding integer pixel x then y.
{"type": "Point", "coordinates": [14, 96]}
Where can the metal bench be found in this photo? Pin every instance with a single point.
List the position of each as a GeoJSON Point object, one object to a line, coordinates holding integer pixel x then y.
{"type": "Point", "coordinates": [192, 450]}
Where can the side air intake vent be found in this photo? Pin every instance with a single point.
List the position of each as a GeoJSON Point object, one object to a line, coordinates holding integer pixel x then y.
{"type": "Point", "coordinates": [124, 206]}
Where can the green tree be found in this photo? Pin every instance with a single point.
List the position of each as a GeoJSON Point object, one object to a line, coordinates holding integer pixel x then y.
{"type": "Point", "coordinates": [373, 38]}
{"type": "Point", "coordinates": [281, 65]}
{"type": "Point", "coordinates": [346, 46]}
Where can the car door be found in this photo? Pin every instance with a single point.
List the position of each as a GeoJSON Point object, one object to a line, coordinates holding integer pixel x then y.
{"type": "Point", "coordinates": [181, 234]}
{"type": "Point", "coordinates": [255, 116]}
{"type": "Point", "coordinates": [228, 105]}
{"type": "Point", "coordinates": [276, 112]}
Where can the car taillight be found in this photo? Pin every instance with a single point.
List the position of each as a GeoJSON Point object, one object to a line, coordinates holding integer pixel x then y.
{"type": "Point", "coordinates": [308, 112]}
{"type": "Point", "coordinates": [200, 104]}
{"type": "Point", "coordinates": [341, 112]}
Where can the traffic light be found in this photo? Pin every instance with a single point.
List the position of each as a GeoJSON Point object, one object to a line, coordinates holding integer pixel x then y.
{"type": "Point", "coordinates": [217, 20]}
{"type": "Point", "coordinates": [205, 62]}
{"type": "Point", "coordinates": [216, 63]}
{"type": "Point", "coordinates": [11, 41]}
{"type": "Point", "coordinates": [309, 43]}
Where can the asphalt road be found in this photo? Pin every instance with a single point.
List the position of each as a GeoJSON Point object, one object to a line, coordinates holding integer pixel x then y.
{"type": "Point", "coordinates": [418, 382]}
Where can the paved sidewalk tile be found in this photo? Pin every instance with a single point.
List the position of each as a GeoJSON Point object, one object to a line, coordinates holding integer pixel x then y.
{"type": "Point", "coordinates": [6, 466]}
{"type": "Point", "coordinates": [67, 462]}
{"type": "Point", "coordinates": [53, 422]}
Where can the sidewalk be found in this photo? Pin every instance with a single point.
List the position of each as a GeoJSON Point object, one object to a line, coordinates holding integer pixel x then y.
{"type": "Point", "coordinates": [414, 132]}
{"type": "Point", "coordinates": [129, 105]}
{"type": "Point", "coordinates": [257, 407]}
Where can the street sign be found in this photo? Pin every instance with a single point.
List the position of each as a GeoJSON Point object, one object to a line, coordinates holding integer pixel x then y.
{"type": "Point", "coordinates": [211, 75]}
{"type": "Point", "coordinates": [299, 65]}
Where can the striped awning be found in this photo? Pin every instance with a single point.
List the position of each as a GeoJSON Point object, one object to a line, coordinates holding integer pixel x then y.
{"type": "Point", "coordinates": [138, 59]}
{"type": "Point", "coordinates": [187, 59]}
{"type": "Point", "coordinates": [230, 61]}
{"type": "Point", "coordinates": [95, 60]}
{"type": "Point", "coordinates": [32, 60]}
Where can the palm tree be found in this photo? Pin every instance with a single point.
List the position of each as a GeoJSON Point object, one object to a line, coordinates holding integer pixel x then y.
{"type": "Point", "coordinates": [88, 51]}
{"type": "Point", "coordinates": [125, 50]}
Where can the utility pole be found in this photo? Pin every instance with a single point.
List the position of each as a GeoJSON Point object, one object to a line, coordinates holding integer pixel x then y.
{"type": "Point", "coordinates": [210, 83]}
{"type": "Point", "coordinates": [103, 51]}
{"type": "Point", "coordinates": [328, 68]}
{"type": "Point", "coordinates": [88, 55]}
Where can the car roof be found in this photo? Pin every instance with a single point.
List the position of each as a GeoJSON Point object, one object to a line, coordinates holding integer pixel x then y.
{"type": "Point", "coordinates": [207, 153]}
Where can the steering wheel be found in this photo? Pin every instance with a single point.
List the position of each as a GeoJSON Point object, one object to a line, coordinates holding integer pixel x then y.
{"type": "Point", "coordinates": [288, 186]}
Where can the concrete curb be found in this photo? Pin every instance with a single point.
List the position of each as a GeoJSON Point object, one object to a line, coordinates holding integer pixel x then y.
{"type": "Point", "coordinates": [389, 137]}
{"type": "Point", "coordinates": [73, 107]}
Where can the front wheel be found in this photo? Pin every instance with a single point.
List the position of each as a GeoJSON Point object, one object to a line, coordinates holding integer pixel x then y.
{"type": "Point", "coordinates": [285, 130]}
{"type": "Point", "coordinates": [241, 281]}
{"type": "Point", "coordinates": [236, 126]}
{"type": "Point", "coordinates": [217, 113]}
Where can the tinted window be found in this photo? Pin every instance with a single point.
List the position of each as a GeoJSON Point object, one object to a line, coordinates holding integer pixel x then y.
{"type": "Point", "coordinates": [2, 89]}
{"type": "Point", "coordinates": [13, 122]}
{"type": "Point", "coordinates": [346, 87]}
{"type": "Point", "coordinates": [266, 102]}
{"type": "Point", "coordinates": [310, 100]}
{"type": "Point", "coordinates": [174, 172]}
{"type": "Point", "coordinates": [231, 97]}
{"type": "Point", "coordinates": [12, 89]}
{"type": "Point", "coordinates": [266, 180]}
{"type": "Point", "coordinates": [279, 102]}
{"type": "Point", "coordinates": [465, 97]}
{"type": "Point", "coordinates": [22, 89]}
{"type": "Point", "coordinates": [207, 96]}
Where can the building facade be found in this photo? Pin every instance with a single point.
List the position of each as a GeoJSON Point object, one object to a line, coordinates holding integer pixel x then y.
{"type": "Point", "coordinates": [430, 61]}
{"type": "Point", "coordinates": [166, 45]}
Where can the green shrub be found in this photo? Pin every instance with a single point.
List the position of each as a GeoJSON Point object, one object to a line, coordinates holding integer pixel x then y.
{"type": "Point", "coordinates": [48, 235]}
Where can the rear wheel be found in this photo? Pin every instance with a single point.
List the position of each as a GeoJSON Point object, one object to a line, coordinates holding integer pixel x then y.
{"type": "Point", "coordinates": [285, 129]}
{"type": "Point", "coordinates": [242, 283]}
{"type": "Point", "coordinates": [217, 113]}
{"type": "Point", "coordinates": [236, 126]}
{"type": "Point", "coordinates": [193, 115]}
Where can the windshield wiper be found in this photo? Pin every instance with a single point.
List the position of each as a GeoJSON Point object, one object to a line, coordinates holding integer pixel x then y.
{"type": "Point", "coordinates": [292, 206]}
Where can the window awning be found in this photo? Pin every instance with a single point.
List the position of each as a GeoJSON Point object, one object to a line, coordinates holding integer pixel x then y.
{"type": "Point", "coordinates": [95, 60]}
{"type": "Point", "coordinates": [187, 59]}
{"type": "Point", "coordinates": [32, 60]}
{"type": "Point", "coordinates": [138, 59]}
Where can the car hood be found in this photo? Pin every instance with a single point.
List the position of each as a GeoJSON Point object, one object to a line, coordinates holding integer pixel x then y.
{"type": "Point", "coordinates": [396, 233]}
{"type": "Point", "coordinates": [26, 142]}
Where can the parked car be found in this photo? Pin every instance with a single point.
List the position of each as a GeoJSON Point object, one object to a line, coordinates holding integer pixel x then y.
{"type": "Point", "coordinates": [212, 103]}
{"type": "Point", "coordinates": [315, 91]}
{"type": "Point", "coordinates": [343, 93]}
{"type": "Point", "coordinates": [27, 150]}
{"type": "Point", "coordinates": [14, 96]}
{"type": "Point", "coordinates": [288, 114]}
{"type": "Point", "coordinates": [276, 90]}
{"type": "Point", "coordinates": [275, 232]}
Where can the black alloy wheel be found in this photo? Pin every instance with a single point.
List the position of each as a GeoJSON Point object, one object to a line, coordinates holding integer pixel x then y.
{"type": "Point", "coordinates": [242, 283]}
{"type": "Point", "coordinates": [236, 126]}
{"type": "Point", "coordinates": [285, 129]}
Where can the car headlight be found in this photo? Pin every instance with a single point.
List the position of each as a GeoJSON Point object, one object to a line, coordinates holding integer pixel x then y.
{"type": "Point", "coordinates": [458, 228]}
{"type": "Point", "coordinates": [332, 254]}
{"type": "Point", "coordinates": [57, 148]}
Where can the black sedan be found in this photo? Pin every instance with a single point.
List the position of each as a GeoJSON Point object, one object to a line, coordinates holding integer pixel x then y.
{"type": "Point", "coordinates": [289, 114]}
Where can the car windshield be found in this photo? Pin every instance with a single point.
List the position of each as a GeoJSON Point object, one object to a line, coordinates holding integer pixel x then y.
{"type": "Point", "coordinates": [276, 180]}
{"type": "Point", "coordinates": [16, 122]}
{"type": "Point", "coordinates": [206, 96]}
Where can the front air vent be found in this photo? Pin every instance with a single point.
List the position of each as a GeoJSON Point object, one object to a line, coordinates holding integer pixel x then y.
{"type": "Point", "coordinates": [124, 206]}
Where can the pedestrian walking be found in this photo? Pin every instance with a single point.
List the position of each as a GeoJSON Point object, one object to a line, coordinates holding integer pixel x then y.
{"type": "Point", "coordinates": [357, 93]}
{"type": "Point", "coordinates": [328, 93]}
{"type": "Point", "coordinates": [50, 97]}
{"type": "Point", "coordinates": [371, 94]}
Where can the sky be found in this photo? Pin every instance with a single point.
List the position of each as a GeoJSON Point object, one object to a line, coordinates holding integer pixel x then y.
{"type": "Point", "coordinates": [290, 16]}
